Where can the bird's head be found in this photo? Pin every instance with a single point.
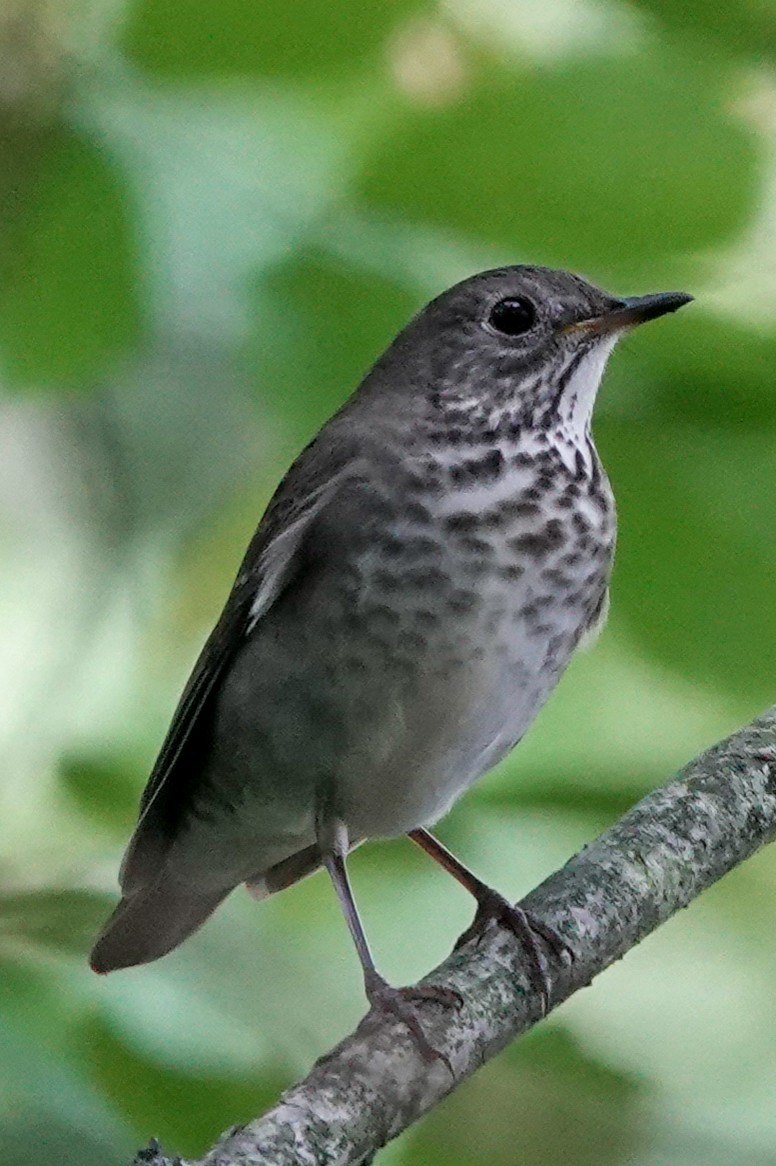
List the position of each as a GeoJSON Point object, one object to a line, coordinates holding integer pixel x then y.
{"type": "Point", "coordinates": [531, 340]}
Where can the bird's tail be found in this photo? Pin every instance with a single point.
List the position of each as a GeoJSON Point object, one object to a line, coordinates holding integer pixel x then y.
{"type": "Point", "coordinates": [151, 922]}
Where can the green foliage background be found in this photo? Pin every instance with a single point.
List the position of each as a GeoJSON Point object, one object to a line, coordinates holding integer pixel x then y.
{"type": "Point", "coordinates": [213, 215]}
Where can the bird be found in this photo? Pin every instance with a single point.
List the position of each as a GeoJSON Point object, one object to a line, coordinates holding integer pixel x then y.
{"type": "Point", "coordinates": [413, 593]}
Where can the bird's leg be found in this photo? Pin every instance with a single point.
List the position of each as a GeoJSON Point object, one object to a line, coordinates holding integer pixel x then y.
{"type": "Point", "coordinates": [381, 995]}
{"type": "Point", "coordinates": [492, 905]}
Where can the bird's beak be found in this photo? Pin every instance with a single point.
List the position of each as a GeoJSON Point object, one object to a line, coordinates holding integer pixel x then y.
{"type": "Point", "coordinates": [631, 311]}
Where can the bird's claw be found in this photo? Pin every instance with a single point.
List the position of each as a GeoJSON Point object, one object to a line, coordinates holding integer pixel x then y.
{"type": "Point", "coordinates": [526, 927]}
{"type": "Point", "coordinates": [401, 1003]}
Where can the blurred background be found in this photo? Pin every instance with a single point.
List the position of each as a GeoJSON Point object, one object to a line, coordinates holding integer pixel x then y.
{"type": "Point", "coordinates": [214, 214]}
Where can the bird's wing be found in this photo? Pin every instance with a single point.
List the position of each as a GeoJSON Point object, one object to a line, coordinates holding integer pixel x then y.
{"type": "Point", "coordinates": [268, 568]}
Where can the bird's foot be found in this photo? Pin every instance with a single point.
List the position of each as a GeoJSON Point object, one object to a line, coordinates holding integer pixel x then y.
{"type": "Point", "coordinates": [402, 1004]}
{"type": "Point", "coordinates": [493, 906]}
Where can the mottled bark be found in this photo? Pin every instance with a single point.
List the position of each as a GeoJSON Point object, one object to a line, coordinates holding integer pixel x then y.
{"type": "Point", "coordinates": [657, 858]}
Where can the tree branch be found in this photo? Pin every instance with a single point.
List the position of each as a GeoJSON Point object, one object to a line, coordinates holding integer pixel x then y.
{"type": "Point", "coordinates": [657, 858]}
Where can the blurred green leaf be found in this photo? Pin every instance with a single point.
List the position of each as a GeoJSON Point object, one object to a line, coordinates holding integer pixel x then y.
{"type": "Point", "coordinates": [186, 1111]}
{"type": "Point", "coordinates": [579, 165]}
{"type": "Point", "coordinates": [695, 511]}
{"type": "Point", "coordinates": [500, 1116]}
{"type": "Point", "coordinates": [68, 302]}
{"type": "Point", "coordinates": [321, 323]}
{"type": "Point", "coordinates": [198, 38]}
{"type": "Point", "coordinates": [103, 788]}
{"type": "Point", "coordinates": [46, 1104]}
{"type": "Point", "coordinates": [705, 370]}
{"type": "Point", "coordinates": [742, 26]}
{"type": "Point", "coordinates": [59, 919]}
{"type": "Point", "coordinates": [596, 797]}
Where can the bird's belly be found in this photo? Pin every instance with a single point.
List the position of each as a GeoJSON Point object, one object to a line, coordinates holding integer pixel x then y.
{"type": "Point", "coordinates": [484, 621]}
{"type": "Point", "coordinates": [471, 703]}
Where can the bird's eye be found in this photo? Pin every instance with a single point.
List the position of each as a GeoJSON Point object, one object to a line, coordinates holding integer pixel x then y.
{"type": "Point", "coordinates": [513, 317]}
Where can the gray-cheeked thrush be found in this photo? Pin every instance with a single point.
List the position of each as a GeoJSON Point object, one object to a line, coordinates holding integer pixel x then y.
{"type": "Point", "coordinates": [412, 595]}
